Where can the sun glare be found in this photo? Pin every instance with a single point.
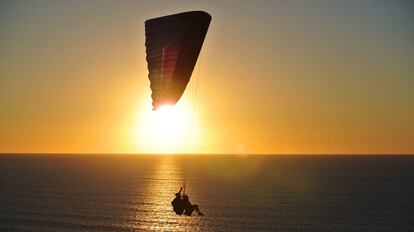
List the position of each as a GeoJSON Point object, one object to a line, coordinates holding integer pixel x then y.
{"type": "Point", "coordinates": [169, 122]}
{"type": "Point", "coordinates": [170, 129]}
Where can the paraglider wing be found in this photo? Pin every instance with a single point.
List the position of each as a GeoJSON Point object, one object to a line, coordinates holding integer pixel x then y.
{"type": "Point", "coordinates": [173, 44]}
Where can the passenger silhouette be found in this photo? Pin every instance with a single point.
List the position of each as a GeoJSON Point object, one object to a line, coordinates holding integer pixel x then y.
{"type": "Point", "coordinates": [189, 208]}
{"type": "Point", "coordinates": [177, 203]}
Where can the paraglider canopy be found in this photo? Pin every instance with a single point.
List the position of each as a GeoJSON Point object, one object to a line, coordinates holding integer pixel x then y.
{"type": "Point", "coordinates": [173, 44]}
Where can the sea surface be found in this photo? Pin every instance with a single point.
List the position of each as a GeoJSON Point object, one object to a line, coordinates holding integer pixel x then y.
{"type": "Point", "coordinates": [47, 192]}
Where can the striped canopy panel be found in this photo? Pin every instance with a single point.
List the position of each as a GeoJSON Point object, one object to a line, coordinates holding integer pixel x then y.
{"type": "Point", "coordinates": [173, 44]}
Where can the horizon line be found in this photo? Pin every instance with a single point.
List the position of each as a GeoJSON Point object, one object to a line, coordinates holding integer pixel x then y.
{"type": "Point", "coordinates": [204, 154]}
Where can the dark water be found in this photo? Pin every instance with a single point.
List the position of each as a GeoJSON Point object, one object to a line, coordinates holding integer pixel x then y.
{"type": "Point", "coordinates": [237, 193]}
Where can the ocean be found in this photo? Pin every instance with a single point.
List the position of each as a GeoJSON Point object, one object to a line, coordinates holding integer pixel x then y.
{"type": "Point", "coordinates": [47, 192]}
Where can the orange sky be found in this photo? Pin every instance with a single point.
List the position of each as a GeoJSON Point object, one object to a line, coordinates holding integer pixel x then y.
{"type": "Point", "coordinates": [274, 77]}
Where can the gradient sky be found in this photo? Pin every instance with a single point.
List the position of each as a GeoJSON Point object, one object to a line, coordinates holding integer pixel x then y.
{"type": "Point", "coordinates": [275, 76]}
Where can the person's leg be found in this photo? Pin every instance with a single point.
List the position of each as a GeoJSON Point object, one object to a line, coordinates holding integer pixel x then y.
{"type": "Point", "coordinates": [197, 209]}
{"type": "Point", "coordinates": [189, 210]}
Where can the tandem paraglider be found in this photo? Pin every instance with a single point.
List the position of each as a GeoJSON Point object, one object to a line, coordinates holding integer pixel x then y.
{"type": "Point", "coordinates": [173, 44]}
{"type": "Point", "coordinates": [182, 205]}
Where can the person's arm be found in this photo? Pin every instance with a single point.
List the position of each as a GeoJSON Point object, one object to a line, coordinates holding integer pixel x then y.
{"type": "Point", "coordinates": [180, 190]}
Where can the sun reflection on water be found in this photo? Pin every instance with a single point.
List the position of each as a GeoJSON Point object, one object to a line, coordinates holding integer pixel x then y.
{"type": "Point", "coordinates": [157, 213]}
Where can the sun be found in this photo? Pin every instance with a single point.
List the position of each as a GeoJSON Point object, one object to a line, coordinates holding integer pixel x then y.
{"type": "Point", "coordinates": [170, 129]}
{"type": "Point", "coordinates": [169, 122]}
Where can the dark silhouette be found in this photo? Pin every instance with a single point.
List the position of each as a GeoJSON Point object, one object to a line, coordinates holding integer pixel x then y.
{"type": "Point", "coordinates": [173, 44]}
{"type": "Point", "coordinates": [189, 208]}
{"type": "Point", "coordinates": [182, 205]}
{"type": "Point", "coordinates": [177, 203]}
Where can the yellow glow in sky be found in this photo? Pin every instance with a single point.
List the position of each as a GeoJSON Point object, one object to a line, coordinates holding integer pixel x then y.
{"type": "Point", "coordinates": [170, 129]}
{"type": "Point", "coordinates": [276, 77]}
